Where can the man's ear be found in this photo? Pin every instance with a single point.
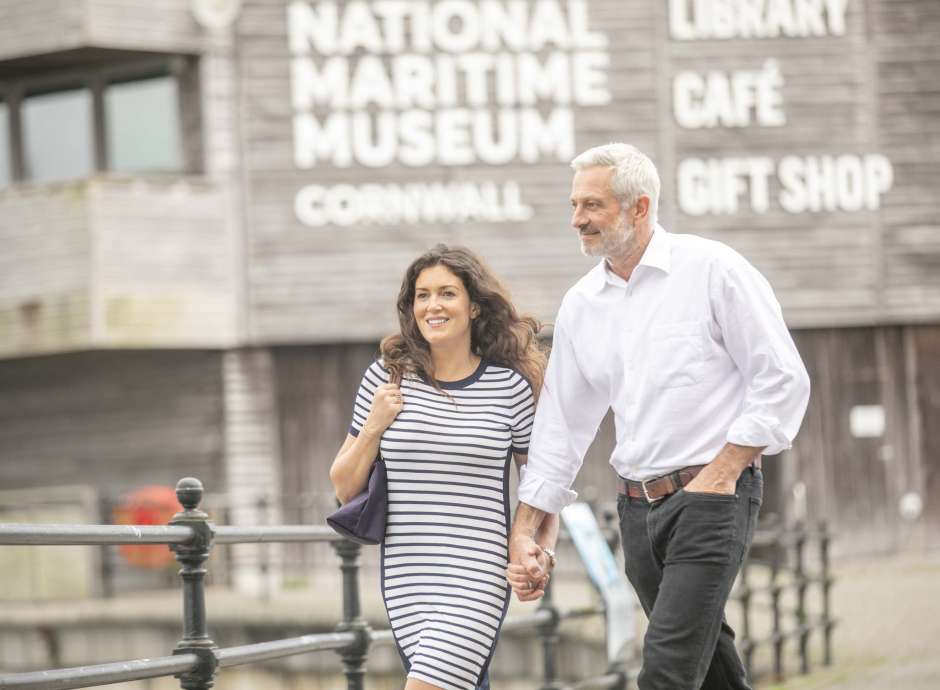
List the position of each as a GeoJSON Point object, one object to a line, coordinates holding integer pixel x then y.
{"type": "Point", "coordinates": [641, 208]}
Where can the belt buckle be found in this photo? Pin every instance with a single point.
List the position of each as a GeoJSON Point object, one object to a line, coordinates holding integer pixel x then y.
{"type": "Point", "coordinates": [646, 493]}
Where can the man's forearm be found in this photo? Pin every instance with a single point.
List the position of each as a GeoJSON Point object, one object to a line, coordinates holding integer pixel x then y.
{"type": "Point", "coordinates": [528, 521]}
{"type": "Point", "coordinates": [731, 461]}
{"type": "Point", "coordinates": [721, 474]}
{"type": "Point", "coordinates": [547, 535]}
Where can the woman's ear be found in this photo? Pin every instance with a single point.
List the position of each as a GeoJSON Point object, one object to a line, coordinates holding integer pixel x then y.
{"type": "Point", "coordinates": [474, 310]}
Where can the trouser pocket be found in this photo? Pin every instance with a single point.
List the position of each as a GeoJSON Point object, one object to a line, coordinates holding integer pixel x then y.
{"type": "Point", "coordinates": [703, 529]}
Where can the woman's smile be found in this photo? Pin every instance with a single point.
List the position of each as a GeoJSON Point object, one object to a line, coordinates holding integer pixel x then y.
{"type": "Point", "coordinates": [442, 306]}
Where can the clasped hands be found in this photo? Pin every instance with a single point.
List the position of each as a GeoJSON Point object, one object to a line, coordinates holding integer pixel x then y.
{"type": "Point", "coordinates": [529, 568]}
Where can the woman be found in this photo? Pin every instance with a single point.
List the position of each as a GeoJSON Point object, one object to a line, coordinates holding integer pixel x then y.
{"type": "Point", "coordinates": [447, 405]}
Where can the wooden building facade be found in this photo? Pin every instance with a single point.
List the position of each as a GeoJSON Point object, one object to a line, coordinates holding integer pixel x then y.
{"type": "Point", "coordinates": [194, 285]}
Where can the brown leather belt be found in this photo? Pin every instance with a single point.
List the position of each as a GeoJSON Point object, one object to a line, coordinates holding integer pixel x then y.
{"type": "Point", "coordinates": [658, 488]}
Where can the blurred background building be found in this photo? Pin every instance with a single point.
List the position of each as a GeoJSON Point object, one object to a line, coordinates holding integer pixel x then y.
{"type": "Point", "coordinates": [206, 207]}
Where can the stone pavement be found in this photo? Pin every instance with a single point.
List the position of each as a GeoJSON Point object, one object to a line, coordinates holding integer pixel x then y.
{"type": "Point", "coordinates": [888, 633]}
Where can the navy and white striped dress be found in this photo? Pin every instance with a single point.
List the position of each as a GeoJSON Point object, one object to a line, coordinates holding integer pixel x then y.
{"type": "Point", "coordinates": [445, 551]}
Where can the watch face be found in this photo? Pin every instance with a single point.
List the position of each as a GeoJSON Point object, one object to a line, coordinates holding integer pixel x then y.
{"type": "Point", "coordinates": [216, 14]}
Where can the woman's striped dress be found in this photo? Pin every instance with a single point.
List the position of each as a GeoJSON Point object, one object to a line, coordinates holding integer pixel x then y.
{"type": "Point", "coordinates": [445, 551]}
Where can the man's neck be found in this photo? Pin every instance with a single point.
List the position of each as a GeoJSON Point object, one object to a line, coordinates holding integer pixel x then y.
{"type": "Point", "coordinates": [623, 265]}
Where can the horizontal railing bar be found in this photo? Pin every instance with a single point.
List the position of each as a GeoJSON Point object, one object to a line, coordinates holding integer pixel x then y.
{"type": "Point", "coordinates": [585, 612]}
{"type": "Point", "coordinates": [100, 674]}
{"type": "Point", "coordinates": [531, 620]}
{"type": "Point", "coordinates": [282, 533]}
{"type": "Point", "coordinates": [381, 637]}
{"type": "Point", "coordinates": [611, 680]}
{"type": "Point", "coordinates": [92, 535]}
{"type": "Point", "coordinates": [263, 651]}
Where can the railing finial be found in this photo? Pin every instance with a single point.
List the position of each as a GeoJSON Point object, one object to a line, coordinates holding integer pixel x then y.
{"type": "Point", "coordinates": [192, 556]}
{"type": "Point", "coordinates": [189, 493]}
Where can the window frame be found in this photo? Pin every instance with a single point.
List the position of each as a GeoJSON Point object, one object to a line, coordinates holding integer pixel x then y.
{"type": "Point", "coordinates": [183, 70]}
{"type": "Point", "coordinates": [8, 133]}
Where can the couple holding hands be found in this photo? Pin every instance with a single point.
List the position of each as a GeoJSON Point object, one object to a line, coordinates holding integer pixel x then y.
{"type": "Point", "coordinates": [680, 336]}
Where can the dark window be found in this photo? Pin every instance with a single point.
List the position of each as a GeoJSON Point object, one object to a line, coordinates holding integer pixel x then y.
{"type": "Point", "coordinates": [6, 165]}
{"type": "Point", "coordinates": [142, 121]}
{"type": "Point", "coordinates": [58, 135]}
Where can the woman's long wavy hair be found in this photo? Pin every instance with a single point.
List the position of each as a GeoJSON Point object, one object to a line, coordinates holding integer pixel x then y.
{"type": "Point", "coordinates": [498, 334]}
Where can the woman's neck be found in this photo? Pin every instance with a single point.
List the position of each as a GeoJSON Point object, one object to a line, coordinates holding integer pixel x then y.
{"type": "Point", "coordinates": [454, 363]}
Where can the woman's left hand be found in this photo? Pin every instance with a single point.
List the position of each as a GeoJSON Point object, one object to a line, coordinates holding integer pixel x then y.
{"type": "Point", "coordinates": [526, 586]}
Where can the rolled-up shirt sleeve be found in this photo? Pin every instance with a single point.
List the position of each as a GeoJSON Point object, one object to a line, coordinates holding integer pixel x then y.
{"type": "Point", "coordinates": [757, 339]}
{"type": "Point", "coordinates": [568, 415]}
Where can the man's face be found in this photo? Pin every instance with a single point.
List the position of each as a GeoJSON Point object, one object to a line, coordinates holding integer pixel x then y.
{"type": "Point", "coordinates": [597, 215]}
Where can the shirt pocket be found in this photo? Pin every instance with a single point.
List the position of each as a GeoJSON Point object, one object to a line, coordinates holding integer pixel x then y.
{"type": "Point", "coordinates": [677, 354]}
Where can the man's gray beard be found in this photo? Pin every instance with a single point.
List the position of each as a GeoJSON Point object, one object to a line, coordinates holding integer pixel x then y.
{"type": "Point", "coordinates": [616, 242]}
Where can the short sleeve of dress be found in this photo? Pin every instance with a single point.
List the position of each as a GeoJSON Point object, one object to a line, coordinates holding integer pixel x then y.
{"type": "Point", "coordinates": [523, 413]}
{"type": "Point", "coordinates": [374, 377]}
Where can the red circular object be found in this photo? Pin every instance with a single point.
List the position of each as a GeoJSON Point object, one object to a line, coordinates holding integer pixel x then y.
{"type": "Point", "coordinates": [148, 505]}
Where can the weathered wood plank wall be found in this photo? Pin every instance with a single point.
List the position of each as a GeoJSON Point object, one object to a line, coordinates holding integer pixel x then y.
{"type": "Point", "coordinates": [167, 25]}
{"type": "Point", "coordinates": [117, 263]}
{"type": "Point", "coordinates": [310, 291]}
{"type": "Point", "coordinates": [906, 38]}
{"type": "Point", "coordinates": [39, 26]}
{"type": "Point", "coordinates": [164, 264]}
{"type": "Point", "coordinates": [47, 26]}
{"type": "Point", "coordinates": [45, 297]}
{"type": "Point", "coordinates": [857, 484]}
{"type": "Point", "coordinates": [111, 420]}
{"type": "Point", "coordinates": [926, 347]}
{"type": "Point", "coordinates": [866, 89]}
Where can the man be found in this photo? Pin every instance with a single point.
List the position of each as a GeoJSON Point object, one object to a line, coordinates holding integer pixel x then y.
{"type": "Point", "coordinates": [686, 342]}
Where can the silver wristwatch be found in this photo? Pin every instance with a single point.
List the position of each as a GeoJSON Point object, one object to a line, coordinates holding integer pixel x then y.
{"type": "Point", "coordinates": [551, 556]}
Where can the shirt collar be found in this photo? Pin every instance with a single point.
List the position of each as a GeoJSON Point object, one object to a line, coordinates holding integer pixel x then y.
{"type": "Point", "coordinates": [656, 255]}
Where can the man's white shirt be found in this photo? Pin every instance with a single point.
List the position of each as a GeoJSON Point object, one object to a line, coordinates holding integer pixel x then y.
{"type": "Point", "coordinates": [690, 353]}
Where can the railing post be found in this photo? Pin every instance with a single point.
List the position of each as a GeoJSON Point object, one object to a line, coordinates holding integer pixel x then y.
{"type": "Point", "coordinates": [745, 594]}
{"type": "Point", "coordinates": [612, 537]}
{"type": "Point", "coordinates": [106, 513]}
{"type": "Point", "coordinates": [354, 656]}
{"type": "Point", "coordinates": [192, 557]}
{"type": "Point", "coordinates": [264, 550]}
{"type": "Point", "coordinates": [802, 620]}
{"type": "Point", "coordinates": [826, 582]}
{"type": "Point", "coordinates": [777, 635]}
{"type": "Point", "coordinates": [548, 632]}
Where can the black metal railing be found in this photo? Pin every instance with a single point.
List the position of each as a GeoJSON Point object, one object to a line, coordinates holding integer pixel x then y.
{"type": "Point", "coordinates": [778, 552]}
{"type": "Point", "coordinates": [197, 659]}
{"type": "Point", "coordinates": [781, 554]}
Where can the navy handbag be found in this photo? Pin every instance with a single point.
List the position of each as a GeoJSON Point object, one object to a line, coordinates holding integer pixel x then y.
{"type": "Point", "coordinates": [363, 519]}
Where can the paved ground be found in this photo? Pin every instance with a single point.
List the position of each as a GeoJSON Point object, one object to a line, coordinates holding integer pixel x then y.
{"type": "Point", "coordinates": [888, 635]}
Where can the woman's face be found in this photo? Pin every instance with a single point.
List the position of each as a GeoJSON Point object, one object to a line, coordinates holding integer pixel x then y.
{"type": "Point", "coordinates": [442, 307]}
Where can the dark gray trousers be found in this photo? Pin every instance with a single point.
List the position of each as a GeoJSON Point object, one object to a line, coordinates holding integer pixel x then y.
{"type": "Point", "coordinates": [682, 555]}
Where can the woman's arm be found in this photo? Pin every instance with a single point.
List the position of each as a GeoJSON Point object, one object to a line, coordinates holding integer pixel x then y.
{"type": "Point", "coordinates": [349, 472]}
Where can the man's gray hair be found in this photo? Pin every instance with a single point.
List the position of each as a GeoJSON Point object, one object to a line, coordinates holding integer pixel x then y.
{"type": "Point", "coordinates": [634, 174]}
